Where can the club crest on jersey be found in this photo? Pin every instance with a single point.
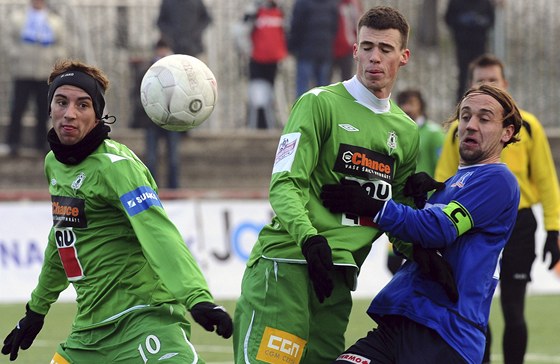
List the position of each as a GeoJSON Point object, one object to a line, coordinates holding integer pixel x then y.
{"type": "Point", "coordinates": [392, 142]}
{"type": "Point", "coordinates": [364, 163]}
{"type": "Point", "coordinates": [461, 182]}
{"type": "Point", "coordinates": [78, 181]}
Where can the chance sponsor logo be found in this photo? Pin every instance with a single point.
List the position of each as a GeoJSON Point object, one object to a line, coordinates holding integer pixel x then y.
{"type": "Point", "coordinates": [354, 358]}
{"type": "Point", "coordinates": [364, 163]}
{"type": "Point", "coordinates": [68, 212]}
{"type": "Point", "coordinates": [280, 347]}
{"type": "Point", "coordinates": [139, 200]}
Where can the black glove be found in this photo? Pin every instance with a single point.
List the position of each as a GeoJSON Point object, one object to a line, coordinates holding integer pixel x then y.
{"type": "Point", "coordinates": [551, 247]}
{"type": "Point", "coordinates": [23, 334]}
{"type": "Point", "coordinates": [350, 197]}
{"type": "Point", "coordinates": [418, 185]}
{"type": "Point", "coordinates": [317, 252]}
{"type": "Point", "coordinates": [209, 315]}
{"type": "Point", "coordinates": [433, 265]}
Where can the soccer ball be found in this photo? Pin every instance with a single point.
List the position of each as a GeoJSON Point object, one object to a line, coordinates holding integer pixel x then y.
{"type": "Point", "coordinates": [178, 92]}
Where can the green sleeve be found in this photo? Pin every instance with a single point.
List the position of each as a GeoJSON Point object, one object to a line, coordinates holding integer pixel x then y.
{"type": "Point", "coordinates": [161, 242]}
{"type": "Point", "coordinates": [290, 190]}
{"type": "Point", "coordinates": [52, 280]}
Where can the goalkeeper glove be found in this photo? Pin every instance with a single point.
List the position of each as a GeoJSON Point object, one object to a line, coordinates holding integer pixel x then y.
{"type": "Point", "coordinates": [551, 247]}
{"type": "Point", "coordinates": [318, 255]}
{"type": "Point", "coordinates": [24, 333]}
{"type": "Point", "coordinates": [433, 265]}
{"type": "Point", "coordinates": [350, 197]}
{"type": "Point", "coordinates": [418, 185]}
{"type": "Point", "coordinates": [209, 315]}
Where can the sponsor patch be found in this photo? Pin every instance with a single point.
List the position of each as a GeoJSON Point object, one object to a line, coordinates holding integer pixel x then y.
{"type": "Point", "coordinates": [65, 240]}
{"type": "Point", "coordinates": [140, 199]}
{"type": "Point", "coordinates": [280, 347]}
{"type": "Point", "coordinates": [364, 163]}
{"type": "Point", "coordinates": [68, 212]}
{"type": "Point", "coordinates": [459, 216]}
{"type": "Point", "coordinates": [380, 190]}
{"type": "Point", "coordinates": [354, 358]}
{"type": "Point", "coordinates": [286, 152]}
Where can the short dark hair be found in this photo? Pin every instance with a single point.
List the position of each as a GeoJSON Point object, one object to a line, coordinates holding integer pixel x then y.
{"type": "Point", "coordinates": [485, 60]}
{"type": "Point", "coordinates": [386, 17]}
{"type": "Point", "coordinates": [408, 94]}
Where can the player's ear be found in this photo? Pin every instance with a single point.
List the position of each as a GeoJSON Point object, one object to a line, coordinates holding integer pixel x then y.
{"type": "Point", "coordinates": [507, 133]}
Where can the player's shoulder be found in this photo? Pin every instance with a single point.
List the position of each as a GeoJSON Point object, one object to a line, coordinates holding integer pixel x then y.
{"type": "Point", "coordinates": [111, 152]}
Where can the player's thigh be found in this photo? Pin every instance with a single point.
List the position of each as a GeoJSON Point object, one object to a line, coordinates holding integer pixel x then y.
{"type": "Point", "coordinates": [329, 321]}
{"type": "Point", "coordinates": [147, 336]}
{"type": "Point", "coordinates": [519, 253]}
{"type": "Point", "coordinates": [272, 315]}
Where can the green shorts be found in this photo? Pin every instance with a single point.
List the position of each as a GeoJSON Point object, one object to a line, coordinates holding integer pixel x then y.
{"type": "Point", "coordinates": [150, 335]}
{"type": "Point", "coordinates": [278, 318]}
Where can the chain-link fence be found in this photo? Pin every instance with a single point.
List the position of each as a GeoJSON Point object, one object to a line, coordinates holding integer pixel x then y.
{"type": "Point", "coordinates": [110, 33]}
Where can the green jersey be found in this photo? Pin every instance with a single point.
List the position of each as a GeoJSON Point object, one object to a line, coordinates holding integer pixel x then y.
{"type": "Point", "coordinates": [333, 134]}
{"type": "Point", "coordinates": [431, 142]}
{"type": "Point", "coordinates": [112, 239]}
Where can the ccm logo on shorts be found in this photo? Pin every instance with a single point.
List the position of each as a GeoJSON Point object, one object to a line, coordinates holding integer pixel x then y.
{"type": "Point", "coordinates": [280, 347]}
{"type": "Point", "coordinates": [353, 358]}
{"type": "Point", "coordinates": [58, 359]}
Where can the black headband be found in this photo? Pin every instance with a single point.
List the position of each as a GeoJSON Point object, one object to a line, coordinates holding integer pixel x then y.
{"type": "Point", "coordinates": [84, 81]}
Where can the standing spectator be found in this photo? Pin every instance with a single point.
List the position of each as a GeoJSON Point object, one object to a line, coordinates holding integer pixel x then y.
{"type": "Point", "coordinates": [470, 22]}
{"type": "Point", "coordinates": [135, 279]}
{"type": "Point", "coordinates": [468, 220]}
{"type": "Point", "coordinates": [154, 133]}
{"type": "Point", "coordinates": [182, 24]}
{"type": "Point", "coordinates": [298, 281]}
{"type": "Point", "coordinates": [265, 19]}
{"type": "Point", "coordinates": [412, 103]}
{"type": "Point", "coordinates": [311, 38]}
{"type": "Point", "coordinates": [36, 41]}
{"type": "Point", "coordinates": [531, 162]}
{"type": "Point", "coordinates": [349, 12]}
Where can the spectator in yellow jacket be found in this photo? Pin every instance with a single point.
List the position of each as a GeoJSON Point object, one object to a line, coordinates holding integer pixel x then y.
{"type": "Point", "coordinates": [531, 162]}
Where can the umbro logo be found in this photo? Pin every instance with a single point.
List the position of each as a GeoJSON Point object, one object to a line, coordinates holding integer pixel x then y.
{"type": "Point", "coordinates": [348, 127]}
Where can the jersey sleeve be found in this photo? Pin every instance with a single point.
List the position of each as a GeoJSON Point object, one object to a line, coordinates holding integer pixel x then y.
{"type": "Point", "coordinates": [134, 193]}
{"type": "Point", "coordinates": [448, 161]}
{"type": "Point", "coordinates": [296, 159]}
{"type": "Point", "coordinates": [52, 280]}
{"type": "Point", "coordinates": [477, 204]}
{"type": "Point", "coordinates": [543, 173]}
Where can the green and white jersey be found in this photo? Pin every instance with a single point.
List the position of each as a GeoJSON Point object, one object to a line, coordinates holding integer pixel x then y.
{"type": "Point", "coordinates": [334, 134]}
{"type": "Point", "coordinates": [112, 239]}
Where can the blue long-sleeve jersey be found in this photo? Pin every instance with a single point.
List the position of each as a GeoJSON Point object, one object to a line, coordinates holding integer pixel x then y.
{"type": "Point", "coordinates": [470, 222]}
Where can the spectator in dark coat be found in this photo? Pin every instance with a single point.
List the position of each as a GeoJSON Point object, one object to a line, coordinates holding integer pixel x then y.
{"type": "Point", "coordinates": [182, 23]}
{"type": "Point", "coordinates": [470, 22]}
{"type": "Point", "coordinates": [312, 31]}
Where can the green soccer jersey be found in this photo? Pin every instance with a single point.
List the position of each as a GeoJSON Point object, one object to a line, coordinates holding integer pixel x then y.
{"type": "Point", "coordinates": [332, 135]}
{"type": "Point", "coordinates": [112, 239]}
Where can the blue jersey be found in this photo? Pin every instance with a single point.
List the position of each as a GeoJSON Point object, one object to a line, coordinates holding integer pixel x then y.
{"type": "Point", "coordinates": [470, 222]}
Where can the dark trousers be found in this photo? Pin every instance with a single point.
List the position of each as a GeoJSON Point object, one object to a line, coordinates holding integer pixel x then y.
{"type": "Point", "coordinates": [465, 53]}
{"type": "Point", "coordinates": [23, 90]}
{"type": "Point", "coordinates": [397, 340]}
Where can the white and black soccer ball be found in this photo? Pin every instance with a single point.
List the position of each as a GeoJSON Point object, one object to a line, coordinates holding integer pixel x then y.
{"type": "Point", "coordinates": [179, 92]}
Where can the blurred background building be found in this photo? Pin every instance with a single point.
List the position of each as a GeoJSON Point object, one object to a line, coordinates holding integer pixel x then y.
{"type": "Point", "coordinates": [113, 33]}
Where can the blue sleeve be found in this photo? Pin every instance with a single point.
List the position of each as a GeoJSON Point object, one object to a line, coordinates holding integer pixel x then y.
{"type": "Point", "coordinates": [475, 202]}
